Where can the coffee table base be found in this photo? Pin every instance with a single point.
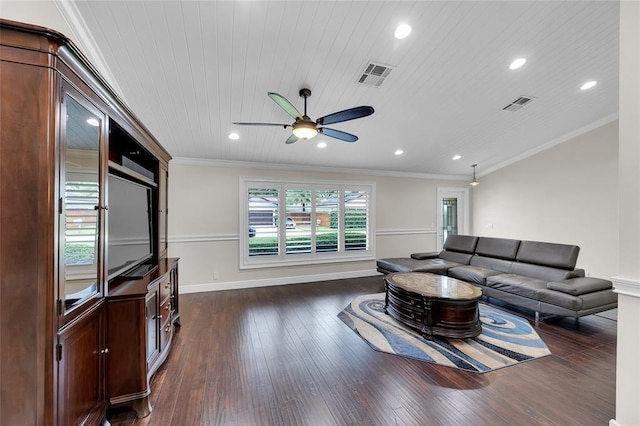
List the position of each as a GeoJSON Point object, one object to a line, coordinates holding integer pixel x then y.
{"type": "Point", "coordinates": [433, 316]}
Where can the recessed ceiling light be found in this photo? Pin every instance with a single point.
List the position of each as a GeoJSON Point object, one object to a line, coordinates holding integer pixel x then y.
{"type": "Point", "coordinates": [456, 157]}
{"type": "Point", "coordinates": [517, 63]}
{"type": "Point", "coordinates": [234, 136]}
{"type": "Point", "coordinates": [402, 31]}
{"type": "Point", "coordinates": [93, 122]}
{"type": "Point", "coordinates": [399, 152]}
{"type": "Point", "coordinates": [322, 145]}
{"type": "Point", "coordinates": [588, 85]}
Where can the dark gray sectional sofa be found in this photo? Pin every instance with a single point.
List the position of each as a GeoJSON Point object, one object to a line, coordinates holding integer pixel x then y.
{"type": "Point", "coordinates": [535, 275]}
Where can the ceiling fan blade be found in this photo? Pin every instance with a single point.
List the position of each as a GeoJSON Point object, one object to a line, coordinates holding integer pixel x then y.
{"type": "Point", "coordinates": [338, 134]}
{"type": "Point", "coordinates": [292, 139]}
{"type": "Point", "coordinates": [263, 124]}
{"type": "Point", "coordinates": [346, 115]}
{"type": "Point", "coordinates": [285, 104]}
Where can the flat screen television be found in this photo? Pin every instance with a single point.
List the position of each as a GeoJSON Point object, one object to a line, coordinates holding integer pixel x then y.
{"type": "Point", "coordinates": [129, 228]}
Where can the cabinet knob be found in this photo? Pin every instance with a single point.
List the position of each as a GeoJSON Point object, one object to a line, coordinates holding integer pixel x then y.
{"type": "Point", "coordinates": [166, 308]}
{"type": "Point", "coordinates": [104, 351]}
{"type": "Point", "coordinates": [167, 328]}
{"type": "Point", "coordinates": [167, 286]}
{"type": "Point", "coordinates": [157, 317]}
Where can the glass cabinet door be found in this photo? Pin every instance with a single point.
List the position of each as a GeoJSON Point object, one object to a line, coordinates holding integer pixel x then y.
{"type": "Point", "coordinates": [80, 203]}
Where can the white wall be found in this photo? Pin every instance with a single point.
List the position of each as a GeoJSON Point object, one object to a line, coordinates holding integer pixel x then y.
{"type": "Point", "coordinates": [43, 13]}
{"type": "Point", "coordinates": [566, 194]}
{"type": "Point", "coordinates": [627, 282]}
{"type": "Point", "coordinates": [204, 224]}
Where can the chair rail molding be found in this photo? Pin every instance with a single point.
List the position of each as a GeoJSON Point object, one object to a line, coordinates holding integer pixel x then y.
{"type": "Point", "coordinates": [626, 286]}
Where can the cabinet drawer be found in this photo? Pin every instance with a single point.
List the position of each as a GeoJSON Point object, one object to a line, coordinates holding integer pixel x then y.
{"type": "Point", "coordinates": [165, 309]}
{"type": "Point", "coordinates": [165, 287]}
{"type": "Point", "coordinates": [166, 331]}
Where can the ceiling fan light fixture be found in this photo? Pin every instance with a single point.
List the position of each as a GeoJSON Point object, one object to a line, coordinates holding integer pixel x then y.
{"type": "Point", "coordinates": [305, 130]}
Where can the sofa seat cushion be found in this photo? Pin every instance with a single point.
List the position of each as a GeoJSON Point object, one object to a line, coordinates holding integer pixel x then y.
{"type": "Point", "coordinates": [517, 284]}
{"type": "Point", "coordinates": [500, 265]}
{"type": "Point", "coordinates": [537, 290]}
{"type": "Point", "coordinates": [398, 264]}
{"type": "Point", "coordinates": [578, 303]}
{"type": "Point", "coordinates": [544, 273]}
{"type": "Point", "coordinates": [406, 264]}
{"type": "Point", "coordinates": [472, 274]}
{"type": "Point", "coordinates": [579, 286]}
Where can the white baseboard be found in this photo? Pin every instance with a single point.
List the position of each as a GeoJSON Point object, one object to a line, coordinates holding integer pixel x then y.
{"type": "Point", "coordinates": [235, 285]}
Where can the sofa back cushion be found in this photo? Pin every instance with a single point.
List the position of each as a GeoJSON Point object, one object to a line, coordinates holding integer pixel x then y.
{"type": "Point", "coordinates": [548, 254]}
{"type": "Point", "coordinates": [499, 248]}
{"type": "Point", "coordinates": [461, 243]}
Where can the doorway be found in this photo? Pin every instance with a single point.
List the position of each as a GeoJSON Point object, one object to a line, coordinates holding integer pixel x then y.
{"type": "Point", "coordinates": [453, 213]}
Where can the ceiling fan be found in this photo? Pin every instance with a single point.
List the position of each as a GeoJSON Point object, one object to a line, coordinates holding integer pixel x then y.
{"type": "Point", "coordinates": [305, 128]}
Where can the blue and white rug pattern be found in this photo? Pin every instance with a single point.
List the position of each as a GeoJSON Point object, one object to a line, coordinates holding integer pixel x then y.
{"type": "Point", "coordinates": [505, 340]}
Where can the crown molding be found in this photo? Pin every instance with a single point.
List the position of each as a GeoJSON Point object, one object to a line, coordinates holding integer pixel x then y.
{"type": "Point", "coordinates": [564, 138]}
{"type": "Point", "coordinates": [306, 168]}
{"type": "Point", "coordinates": [83, 37]}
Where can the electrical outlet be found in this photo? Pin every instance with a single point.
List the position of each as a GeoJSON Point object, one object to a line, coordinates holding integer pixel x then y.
{"type": "Point", "coordinates": [216, 276]}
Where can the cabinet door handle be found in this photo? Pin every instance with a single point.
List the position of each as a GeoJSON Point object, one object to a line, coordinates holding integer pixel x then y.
{"type": "Point", "coordinates": [166, 308]}
{"type": "Point", "coordinates": [167, 286]}
{"type": "Point", "coordinates": [104, 351]}
{"type": "Point", "coordinates": [167, 328]}
{"type": "Point", "coordinates": [157, 317]}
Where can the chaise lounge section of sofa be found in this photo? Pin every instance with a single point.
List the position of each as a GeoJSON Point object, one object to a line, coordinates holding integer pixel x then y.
{"type": "Point", "coordinates": [535, 275]}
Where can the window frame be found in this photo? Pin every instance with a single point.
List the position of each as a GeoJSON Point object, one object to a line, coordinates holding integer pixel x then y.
{"type": "Point", "coordinates": [297, 259]}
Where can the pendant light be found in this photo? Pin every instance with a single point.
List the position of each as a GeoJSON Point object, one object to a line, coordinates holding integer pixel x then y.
{"type": "Point", "coordinates": [474, 182]}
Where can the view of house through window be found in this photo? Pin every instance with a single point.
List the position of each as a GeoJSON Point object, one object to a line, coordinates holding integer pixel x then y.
{"type": "Point", "coordinates": [293, 220]}
{"type": "Point", "coordinates": [81, 227]}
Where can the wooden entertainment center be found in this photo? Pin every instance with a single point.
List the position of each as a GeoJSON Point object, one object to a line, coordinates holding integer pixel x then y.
{"type": "Point", "coordinates": [89, 297]}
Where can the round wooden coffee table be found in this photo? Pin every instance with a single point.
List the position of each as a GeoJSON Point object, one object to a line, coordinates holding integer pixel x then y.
{"type": "Point", "coordinates": [435, 305]}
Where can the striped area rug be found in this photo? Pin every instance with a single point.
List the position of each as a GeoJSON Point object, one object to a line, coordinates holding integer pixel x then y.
{"type": "Point", "coordinates": [505, 340]}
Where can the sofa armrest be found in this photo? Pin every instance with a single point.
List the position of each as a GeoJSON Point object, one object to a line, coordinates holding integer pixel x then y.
{"type": "Point", "coordinates": [425, 255]}
{"type": "Point", "coordinates": [580, 286]}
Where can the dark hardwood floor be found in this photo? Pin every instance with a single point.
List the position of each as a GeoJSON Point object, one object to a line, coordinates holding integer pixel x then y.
{"type": "Point", "coordinates": [280, 356]}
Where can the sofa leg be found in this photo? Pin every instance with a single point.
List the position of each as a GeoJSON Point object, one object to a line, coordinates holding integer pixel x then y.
{"type": "Point", "coordinates": [537, 315]}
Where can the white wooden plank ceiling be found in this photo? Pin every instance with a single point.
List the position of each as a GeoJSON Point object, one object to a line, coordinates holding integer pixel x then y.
{"type": "Point", "coordinates": [190, 68]}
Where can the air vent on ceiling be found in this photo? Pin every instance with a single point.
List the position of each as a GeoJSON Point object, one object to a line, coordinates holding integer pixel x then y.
{"type": "Point", "coordinates": [518, 103]}
{"type": "Point", "coordinates": [374, 74]}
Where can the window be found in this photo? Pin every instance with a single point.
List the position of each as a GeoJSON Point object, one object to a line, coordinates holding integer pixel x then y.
{"type": "Point", "coordinates": [81, 226]}
{"type": "Point", "coordinates": [292, 223]}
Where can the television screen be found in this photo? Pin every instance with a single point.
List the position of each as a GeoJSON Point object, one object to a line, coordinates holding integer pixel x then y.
{"type": "Point", "coordinates": [129, 223]}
